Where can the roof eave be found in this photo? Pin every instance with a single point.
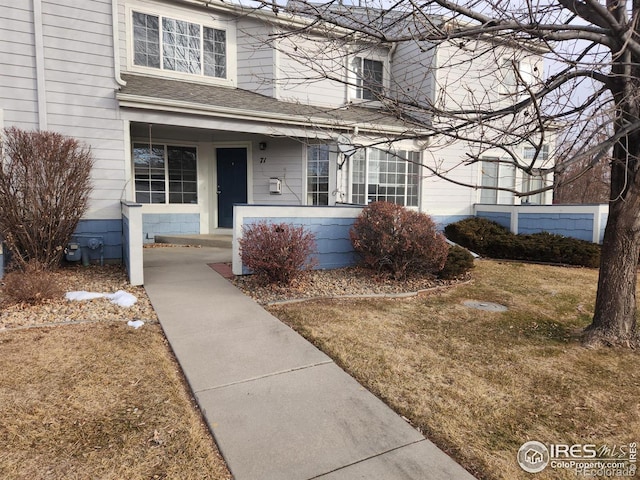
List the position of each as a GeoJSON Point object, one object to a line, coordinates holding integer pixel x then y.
{"type": "Point", "coordinates": [179, 106]}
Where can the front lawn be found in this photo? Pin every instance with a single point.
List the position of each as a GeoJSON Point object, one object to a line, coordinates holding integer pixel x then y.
{"type": "Point", "coordinates": [480, 384]}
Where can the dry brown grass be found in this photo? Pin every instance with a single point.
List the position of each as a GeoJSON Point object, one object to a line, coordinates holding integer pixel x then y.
{"type": "Point", "coordinates": [480, 384]}
{"type": "Point", "coordinates": [98, 401]}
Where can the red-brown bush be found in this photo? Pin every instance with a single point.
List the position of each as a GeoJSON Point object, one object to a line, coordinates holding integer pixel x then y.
{"type": "Point", "coordinates": [45, 181]}
{"type": "Point", "coordinates": [33, 285]}
{"type": "Point", "coordinates": [277, 253]}
{"type": "Point", "coordinates": [395, 240]}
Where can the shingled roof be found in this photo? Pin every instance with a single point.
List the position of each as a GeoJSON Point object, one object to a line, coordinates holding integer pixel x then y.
{"type": "Point", "coordinates": [202, 97]}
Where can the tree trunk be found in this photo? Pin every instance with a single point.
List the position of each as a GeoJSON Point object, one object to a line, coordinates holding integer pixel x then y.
{"type": "Point", "coordinates": [614, 321]}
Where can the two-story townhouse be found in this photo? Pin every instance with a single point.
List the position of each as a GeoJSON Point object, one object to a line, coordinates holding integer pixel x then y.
{"type": "Point", "coordinates": [191, 106]}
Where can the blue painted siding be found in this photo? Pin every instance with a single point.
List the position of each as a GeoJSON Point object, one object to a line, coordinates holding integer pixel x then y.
{"type": "Point", "coordinates": [442, 221]}
{"type": "Point", "coordinates": [576, 225]}
{"type": "Point", "coordinates": [502, 218]}
{"type": "Point", "coordinates": [109, 231]}
{"type": "Point", "coordinates": [169, 224]}
{"type": "Point", "coordinates": [332, 238]}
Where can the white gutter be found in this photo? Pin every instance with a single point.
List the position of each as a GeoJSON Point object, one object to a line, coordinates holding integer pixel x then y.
{"type": "Point", "coordinates": [116, 43]}
{"type": "Point", "coordinates": [281, 17]}
{"type": "Point", "coordinates": [41, 83]}
{"type": "Point", "coordinates": [161, 104]}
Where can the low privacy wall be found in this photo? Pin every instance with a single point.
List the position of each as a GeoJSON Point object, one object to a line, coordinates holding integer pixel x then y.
{"type": "Point", "coordinates": [585, 222]}
{"type": "Point", "coordinates": [132, 243]}
{"type": "Point", "coordinates": [330, 225]}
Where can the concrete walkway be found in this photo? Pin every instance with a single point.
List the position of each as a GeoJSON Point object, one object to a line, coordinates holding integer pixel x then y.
{"type": "Point", "coordinates": [278, 407]}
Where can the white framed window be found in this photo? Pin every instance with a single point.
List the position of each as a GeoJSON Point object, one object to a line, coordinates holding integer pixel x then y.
{"type": "Point", "coordinates": [170, 44]}
{"type": "Point", "coordinates": [165, 173]}
{"type": "Point", "coordinates": [536, 179]}
{"type": "Point", "coordinates": [516, 76]}
{"type": "Point", "coordinates": [377, 175]}
{"type": "Point", "coordinates": [318, 168]}
{"type": "Point", "coordinates": [495, 175]}
{"type": "Point", "coordinates": [369, 78]}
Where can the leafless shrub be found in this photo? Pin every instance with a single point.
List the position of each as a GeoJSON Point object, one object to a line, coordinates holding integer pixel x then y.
{"type": "Point", "coordinates": [35, 284]}
{"type": "Point", "coordinates": [44, 191]}
{"type": "Point", "coordinates": [277, 253]}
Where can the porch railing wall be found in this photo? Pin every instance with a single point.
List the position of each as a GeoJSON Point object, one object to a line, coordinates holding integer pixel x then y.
{"type": "Point", "coordinates": [330, 225]}
{"type": "Point", "coordinates": [132, 241]}
{"type": "Point", "coordinates": [586, 222]}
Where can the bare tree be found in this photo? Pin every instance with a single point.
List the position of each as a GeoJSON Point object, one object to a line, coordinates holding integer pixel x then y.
{"type": "Point", "coordinates": [45, 182]}
{"type": "Point", "coordinates": [593, 48]}
{"type": "Point", "coordinates": [578, 179]}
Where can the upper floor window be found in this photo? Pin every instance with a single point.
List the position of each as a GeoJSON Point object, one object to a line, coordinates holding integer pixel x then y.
{"type": "Point", "coordinates": [180, 46]}
{"type": "Point", "coordinates": [517, 76]}
{"type": "Point", "coordinates": [369, 78]}
{"type": "Point", "coordinates": [385, 176]}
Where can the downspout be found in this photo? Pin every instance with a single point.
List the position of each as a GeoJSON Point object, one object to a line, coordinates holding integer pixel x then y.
{"type": "Point", "coordinates": [41, 84]}
{"type": "Point", "coordinates": [116, 43]}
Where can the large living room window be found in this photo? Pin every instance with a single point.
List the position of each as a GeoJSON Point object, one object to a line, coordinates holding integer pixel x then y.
{"type": "Point", "coordinates": [164, 169]}
{"type": "Point", "coordinates": [178, 45]}
{"type": "Point", "coordinates": [385, 176]}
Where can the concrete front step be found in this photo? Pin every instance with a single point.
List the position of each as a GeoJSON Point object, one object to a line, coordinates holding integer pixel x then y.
{"type": "Point", "coordinates": [211, 240]}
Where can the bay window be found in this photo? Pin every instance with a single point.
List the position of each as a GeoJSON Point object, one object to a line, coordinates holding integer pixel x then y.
{"type": "Point", "coordinates": [377, 175]}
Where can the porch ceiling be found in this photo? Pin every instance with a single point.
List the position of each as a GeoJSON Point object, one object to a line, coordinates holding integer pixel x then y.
{"type": "Point", "coordinates": [211, 100]}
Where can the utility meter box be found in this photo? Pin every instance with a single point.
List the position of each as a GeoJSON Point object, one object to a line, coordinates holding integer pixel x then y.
{"type": "Point", "coordinates": [73, 252]}
{"type": "Point", "coordinates": [275, 186]}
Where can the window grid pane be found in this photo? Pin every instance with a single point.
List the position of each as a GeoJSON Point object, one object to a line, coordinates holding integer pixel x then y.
{"type": "Point", "coordinates": [186, 47]}
{"type": "Point", "coordinates": [215, 52]}
{"type": "Point", "coordinates": [161, 165]}
{"type": "Point", "coordinates": [181, 46]}
{"type": "Point", "coordinates": [358, 177]}
{"type": "Point", "coordinates": [146, 40]}
{"type": "Point", "coordinates": [372, 79]}
{"type": "Point", "coordinates": [318, 175]}
{"type": "Point", "coordinates": [149, 166]}
{"type": "Point", "coordinates": [489, 179]}
{"type": "Point", "coordinates": [389, 177]}
{"type": "Point", "coordinates": [183, 172]}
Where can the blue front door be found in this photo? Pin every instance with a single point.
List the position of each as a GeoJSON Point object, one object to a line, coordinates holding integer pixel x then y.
{"type": "Point", "coordinates": [232, 182]}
